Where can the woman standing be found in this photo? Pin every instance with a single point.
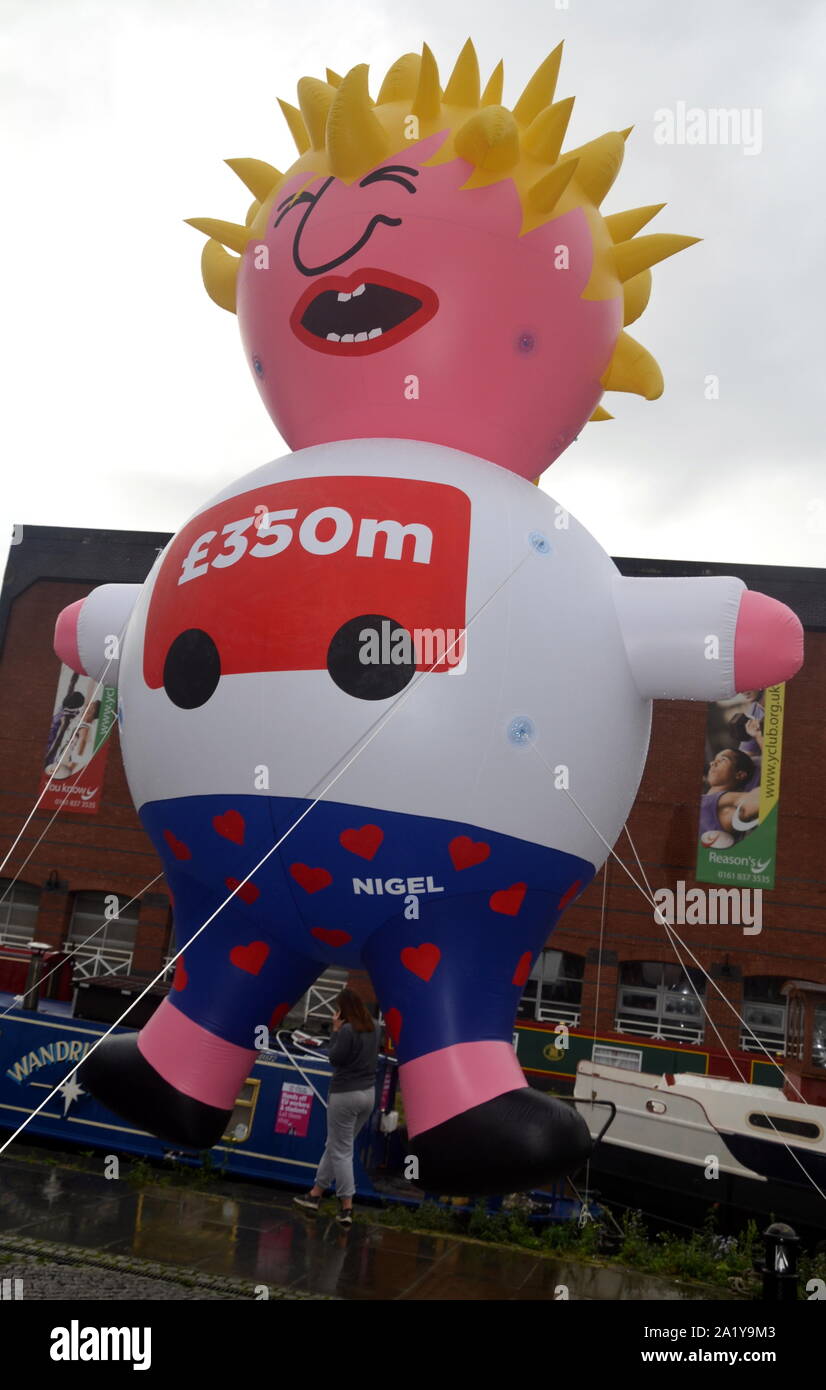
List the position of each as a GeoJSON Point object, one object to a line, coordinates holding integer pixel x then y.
{"type": "Point", "coordinates": [353, 1053]}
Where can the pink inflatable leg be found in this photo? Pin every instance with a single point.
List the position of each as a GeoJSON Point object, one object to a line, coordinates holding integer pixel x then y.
{"type": "Point", "coordinates": [476, 1126]}
{"type": "Point", "coordinates": [196, 1062]}
{"type": "Point", "coordinates": [443, 1084]}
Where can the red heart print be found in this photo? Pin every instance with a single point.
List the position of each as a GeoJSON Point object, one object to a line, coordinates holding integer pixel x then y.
{"type": "Point", "coordinates": [231, 825]}
{"type": "Point", "coordinates": [248, 893]}
{"type": "Point", "coordinates": [465, 852]}
{"type": "Point", "coordinates": [279, 1013]}
{"type": "Point", "coordinates": [250, 958]}
{"type": "Point", "coordinates": [179, 849]}
{"type": "Point", "coordinates": [330, 936]}
{"type": "Point", "coordinates": [363, 842]}
{"type": "Point", "coordinates": [311, 880]}
{"type": "Point", "coordinates": [509, 900]}
{"type": "Point", "coordinates": [181, 979]}
{"type": "Point", "coordinates": [393, 1024]}
{"type": "Point", "coordinates": [523, 970]}
{"type": "Point", "coordinates": [421, 960]}
{"type": "Point", "coordinates": [571, 893]}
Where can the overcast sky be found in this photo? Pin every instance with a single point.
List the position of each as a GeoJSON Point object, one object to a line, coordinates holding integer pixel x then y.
{"type": "Point", "coordinates": [126, 398]}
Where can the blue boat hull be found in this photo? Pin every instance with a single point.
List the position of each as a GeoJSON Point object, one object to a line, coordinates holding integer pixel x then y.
{"type": "Point", "coordinates": [39, 1050]}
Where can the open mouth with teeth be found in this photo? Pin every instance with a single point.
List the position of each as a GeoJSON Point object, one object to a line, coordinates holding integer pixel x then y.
{"type": "Point", "coordinates": [361, 313]}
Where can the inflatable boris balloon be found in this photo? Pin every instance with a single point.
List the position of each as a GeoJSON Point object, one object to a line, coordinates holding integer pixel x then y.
{"type": "Point", "coordinates": [383, 704]}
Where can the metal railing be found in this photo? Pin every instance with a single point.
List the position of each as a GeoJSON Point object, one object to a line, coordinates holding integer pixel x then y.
{"type": "Point", "coordinates": [658, 1030]}
{"type": "Point", "coordinates": [101, 960]}
{"type": "Point", "coordinates": [319, 1000]}
{"type": "Point", "coordinates": [16, 936]}
{"type": "Point", "coordinates": [558, 1013]}
{"type": "Point", "coordinates": [774, 1042]}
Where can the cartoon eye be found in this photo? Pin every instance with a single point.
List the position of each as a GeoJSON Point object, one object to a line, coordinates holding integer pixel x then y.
{"type": "Point", "coordinates": [290, 203]}
{"type": "Point", "coordinates": [192, 669]}
{"type": "Point", "coordinates": [369, 680]}
{"type": "Point", "coordinates": [392, 173]}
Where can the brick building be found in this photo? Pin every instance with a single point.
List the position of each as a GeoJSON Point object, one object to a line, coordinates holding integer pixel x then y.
{"type": "Point", "coordinates": [64, 865]}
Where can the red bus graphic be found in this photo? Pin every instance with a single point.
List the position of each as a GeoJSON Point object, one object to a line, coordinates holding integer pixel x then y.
{"type": "Point", "coordinates": [273, 574]}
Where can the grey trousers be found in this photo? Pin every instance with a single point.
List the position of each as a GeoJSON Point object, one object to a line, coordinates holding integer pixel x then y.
{"type": "Point", "coordinates": [347, 1113]}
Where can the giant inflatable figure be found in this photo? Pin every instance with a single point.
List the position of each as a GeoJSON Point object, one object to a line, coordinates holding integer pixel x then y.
{"type": "Point", "coordinates": [383, 703]}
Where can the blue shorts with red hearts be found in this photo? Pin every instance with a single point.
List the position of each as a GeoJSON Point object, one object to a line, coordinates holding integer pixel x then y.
{"type": "Point", "coordinates": [446, 917]}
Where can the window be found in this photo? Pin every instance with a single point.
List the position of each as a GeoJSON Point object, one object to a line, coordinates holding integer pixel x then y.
{"type": "Point", "coordinates": [819, 1038]}
{"type": "Point", "coordinates": [796, 1028]}
{"type": "Point", "coordinates": [107, 926]}
{"type": "Point", "coordinates": [780, 1124]}
{"type": "Point", "coordinates": [553, 992]}
{"type": "Point", "coordinates": [18, 911]}
{"type": "Point", "coordinates": [764, 1010]}
{"type": "Point", "coordinates": [239, 1127]}
{"type": "Point", "coordinates": [660, 1001]}
{"type": "Point", "coordinates": [626, 1058]}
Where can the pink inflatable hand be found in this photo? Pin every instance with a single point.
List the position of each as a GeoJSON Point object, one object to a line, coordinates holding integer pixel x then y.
{"type": "Point", "coordinates": [768, 642]}
{"type": "Point", "coordinates": [65, 637]}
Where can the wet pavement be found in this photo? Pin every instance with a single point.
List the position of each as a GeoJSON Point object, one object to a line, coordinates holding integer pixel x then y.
{"type": "Point", "coordinates": [34, 1278]}
{"type": "Point", "coordinates": [249, 1238]}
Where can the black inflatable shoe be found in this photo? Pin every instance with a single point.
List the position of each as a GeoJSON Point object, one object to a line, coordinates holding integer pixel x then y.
{"type": "Point", "coordinates": [119, 1076]}
{"type": "Point", "coordinates": [516, 1142]}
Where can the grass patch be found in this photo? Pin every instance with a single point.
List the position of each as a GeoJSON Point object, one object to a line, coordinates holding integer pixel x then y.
{"type": "Point", "coordinates": [705, 1257]}
{"type": "Point", "coordinates": [142, 1173]}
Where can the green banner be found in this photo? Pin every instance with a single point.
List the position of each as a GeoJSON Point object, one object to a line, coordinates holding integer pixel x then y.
{"type": "Point", "coordinates": [74, 764]}
{"type": "Point", "coordinates": [107, 716]}
{"type": "Point", "coordinates": [737, 841]}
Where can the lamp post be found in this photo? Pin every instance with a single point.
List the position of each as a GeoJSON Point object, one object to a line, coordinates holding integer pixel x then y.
{"type": "Point", "coordinates": [31, 989]}
{"type": "Point", "coordinates": [779, 1269]}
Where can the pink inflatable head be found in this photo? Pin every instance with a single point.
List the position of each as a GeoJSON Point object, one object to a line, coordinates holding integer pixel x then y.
{"type": "Point", "coordinates": [405, 305]}
{"type": "Point", "coordinates": [433, 267]}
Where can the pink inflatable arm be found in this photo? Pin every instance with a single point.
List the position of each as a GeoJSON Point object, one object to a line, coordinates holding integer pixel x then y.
{"type": "Point", "coordinates": [65, 636]}
{"type": "Point", "coordinates": [705, 638]}
{"type": "Point", "coordinates": [88, 635]}
{"type": "Point", "coordinates": [768, 642]}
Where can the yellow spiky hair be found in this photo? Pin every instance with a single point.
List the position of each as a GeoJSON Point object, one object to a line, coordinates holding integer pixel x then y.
{"type": "Point", "coordinates": [340, 131]}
